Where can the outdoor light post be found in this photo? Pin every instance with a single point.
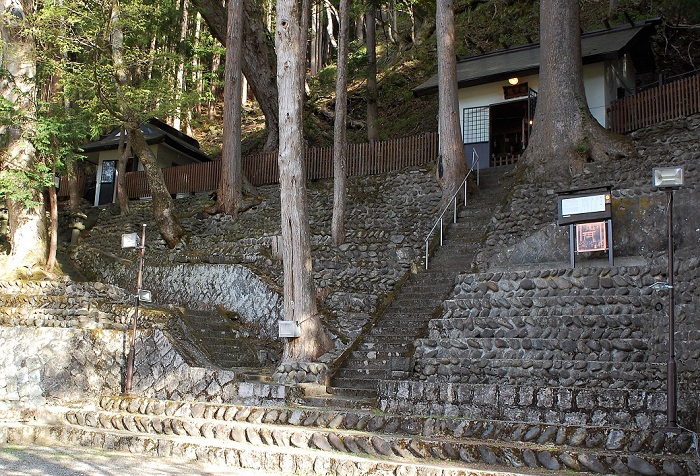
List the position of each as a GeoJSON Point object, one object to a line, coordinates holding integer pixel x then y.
{"type": "Point", "coordinates": [669, 179]}
{"type": "Point", "coordinates": [131, 240]}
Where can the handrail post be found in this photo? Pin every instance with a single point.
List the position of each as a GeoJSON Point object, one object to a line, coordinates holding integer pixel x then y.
{"type": "Point", "coordinates": [454, 210]}
{"type": "Point", "coordinates": [440, 231]}
{"type": "Point", "coordinates": [465, 193]}
{"type": "Point", "coordinates": [426, 254]}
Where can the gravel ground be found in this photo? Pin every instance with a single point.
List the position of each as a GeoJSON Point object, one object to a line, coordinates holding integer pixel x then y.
{"type": "Point", "coordinates": [72, 461]}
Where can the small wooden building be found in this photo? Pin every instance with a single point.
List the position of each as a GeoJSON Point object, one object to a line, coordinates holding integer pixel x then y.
{"type": "Point", "coordinates": [498, 90]}
{"type": "Point", "coordinates": [170, 147]}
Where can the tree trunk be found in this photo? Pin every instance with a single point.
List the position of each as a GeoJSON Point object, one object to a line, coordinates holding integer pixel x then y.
{"type": "Point", "coordinates": [299, 295]}
{"type": "Point", "coordinates": [163, 206]}
{"type": "Point", "coordinates": [123, 154]}
{"type": "Point", "coordinates": [565, 135]}
{"type": "Point", "coordinates": [316, 43]}
{"type": "Point", "coordinates": [180, 77]}
{"type": "Point", "coordinates": [258, 57]}
{"type": "Point", "coordinates": [53, 228]}
{"type": "Point", "coordinates": [372, 103]}
{"type": "Point", "coordinates": [339, 129]}
{"type": "Point", "coordinates": [451, 144]}
{"type": "Point", "coordinates": [73, 190]}
{"type": "Point", "coordinates": [214, 87]}
{"type": "Point", "coordinates": [28, 243]}
{"type": "Point", "coordinates": [229, 192]}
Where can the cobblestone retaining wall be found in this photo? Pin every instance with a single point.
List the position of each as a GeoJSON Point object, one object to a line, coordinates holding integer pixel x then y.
{"type": "Point", "coordinates": [577, 406]}
{"type": "Point", "coordinates": [40, 365]}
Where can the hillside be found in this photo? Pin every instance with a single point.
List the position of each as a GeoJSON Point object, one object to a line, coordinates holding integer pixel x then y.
{"type": "Point", "coordinates": [481, 26]}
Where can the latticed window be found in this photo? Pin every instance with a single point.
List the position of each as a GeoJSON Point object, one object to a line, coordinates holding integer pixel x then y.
{"type": "Point", "coordinates": [475, 121]}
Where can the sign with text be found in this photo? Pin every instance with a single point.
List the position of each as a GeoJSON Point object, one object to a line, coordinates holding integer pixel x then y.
{"type": "Point", "coordinates": [581, 208]}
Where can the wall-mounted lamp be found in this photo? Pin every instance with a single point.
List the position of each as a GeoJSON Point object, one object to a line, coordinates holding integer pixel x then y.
{"type": "Point", "coordinates": [668, 177]}
{"type": "Point", "coordinates": [513, 81]}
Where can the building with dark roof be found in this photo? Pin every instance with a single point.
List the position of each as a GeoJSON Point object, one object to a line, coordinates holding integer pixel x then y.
{"type": "Point", "coordinates": [498, 90]}
{"type": "Point", "coordinates": [170, 147]}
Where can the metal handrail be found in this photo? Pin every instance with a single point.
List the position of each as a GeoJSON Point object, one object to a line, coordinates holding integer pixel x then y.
{"type": "Point", "coordinates": [452, 202]}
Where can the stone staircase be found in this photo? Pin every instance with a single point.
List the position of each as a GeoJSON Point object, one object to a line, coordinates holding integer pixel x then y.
{"type": "Point", "coordinates": [584, 348]}
{"type": "Point", "coordinates": [296, 440]}
{"type": "Point", "coordinates": [212, 338]}
{"type": "Point", "coordinates": [384, 351]}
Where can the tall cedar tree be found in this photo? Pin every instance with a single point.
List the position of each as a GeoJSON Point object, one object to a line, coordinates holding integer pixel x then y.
{"type": "Point", "coordinates": [163, 206]}
{"type": "Point", "coordinates": [339, 129]}
{"type": "Point", "coordinates": [454, 167]}
{"type": "Point", "coordinates": [299, 293]}
{"type": "Point", "coordinates": [230, 184]}
{"type": "Point", "coordinates": [565, 135]}
{"type": "Point", "coordinates": [25, 201]}
{"type": "Point", "coordinates": [372, 95]}
{"type": "Point", "coordinates": [259, 57]}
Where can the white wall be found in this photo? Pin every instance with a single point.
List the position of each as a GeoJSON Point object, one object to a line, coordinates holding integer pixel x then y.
{"type": "Point", "coordinates": [600, 90]}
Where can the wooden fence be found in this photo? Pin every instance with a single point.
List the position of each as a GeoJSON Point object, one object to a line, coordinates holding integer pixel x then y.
{"type": "Point", "coordinates": [262, 169]}
{"type": "Point", "coordinates": [669, 101]}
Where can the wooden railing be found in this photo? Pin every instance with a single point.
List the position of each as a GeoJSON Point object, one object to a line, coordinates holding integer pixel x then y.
{"type": "Point", "coordinates": [261, 169]}
{"type": "Point", "coordinates": [669, 101]}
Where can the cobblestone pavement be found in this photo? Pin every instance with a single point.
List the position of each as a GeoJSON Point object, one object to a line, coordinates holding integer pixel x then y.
{"type": "Point", "coordinates": [72, 461]}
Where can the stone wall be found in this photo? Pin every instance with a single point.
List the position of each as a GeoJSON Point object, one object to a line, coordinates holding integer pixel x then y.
{"type": "Point", "coordinates": [59, 365]}
{"type": "Point", "coordinates": [525, 230]}
{"type": "Point", "coordinates": [65, 342]}
{"type": "Point", "coordinates": [231, 287]}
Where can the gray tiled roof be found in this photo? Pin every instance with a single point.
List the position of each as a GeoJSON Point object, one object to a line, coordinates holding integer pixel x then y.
{"type": "Point", "coordinates": [522, 60]}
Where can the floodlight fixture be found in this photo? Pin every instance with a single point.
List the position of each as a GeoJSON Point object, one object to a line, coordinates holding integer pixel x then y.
{"type": "Point", "coordinates": [130, 240]}
{"type": "Point", "coordinates": [145, 295]}
{"type": "Point", "coordinates": [667, 177]}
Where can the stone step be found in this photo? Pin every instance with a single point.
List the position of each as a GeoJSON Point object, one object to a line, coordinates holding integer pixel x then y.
{"type": "Point", "coordinates": [341, 401]}
{"type": "Point", "coordinates": [396, 363]}
{"type": "Point", "coordinates": [590, 350]}
{"type": "Point", "coordinates": [399, 345]}
{"type": "Point", "coordinates": [586, 406]}
{"type": "Point", "coordinates": [601, 436]}
{"type": "Point", "coordinates": [523, 306]}
{"type": "Point", "coordinates": [363, 394]}
{"type": "Point", "coordinates": [539, 447]}
{"type": "Point", "coordinates": [566, 373]}
{"type": "Point", "coordinates": [409, 330]}
{"type": "Point", "coordinates": [372, 372]}
{"type": "Point", "coordinates": [293, 455]}
{"type": "Point", "coordinates": [621, 326]}
{"type": "Point", "coordinates": [635, 280]}
{"type": "Point", "coordinates": [378, 355]}
{"type": "Point", "coordinates": [365, 382]}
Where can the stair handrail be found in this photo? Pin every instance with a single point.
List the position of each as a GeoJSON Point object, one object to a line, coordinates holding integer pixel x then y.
{"type": "Point", "coordinates": [452, 203]}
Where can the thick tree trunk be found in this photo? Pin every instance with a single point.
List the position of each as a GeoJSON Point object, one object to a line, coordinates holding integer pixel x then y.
{"type": "Point", "coordinates": [299, 295]}
{"type": "Point", "coordinates": [451, 144]}
{"type": "Point", "coordinates": [28, 241]}
{"type": "Point", "coordinates": [163, 206]}
{"type": "Point", "coordinates": [339, 129]}
{"type": "Point", "coordinates": [73, 190]}
{"type": "Point", "coordinates": [258, 57]}
{"type": "Point", "coordinates": [565, 135]}
{"type": "Point", "coordinates": [53, 230]}
{"type": "Point", "coordinates": [229, 192]}
{"type": "Point", "coordinates": [123, 154]}
{"type": "Point", "coordinates": [180, 77]}
{"type": "Point", "coordinates": [372, 101]}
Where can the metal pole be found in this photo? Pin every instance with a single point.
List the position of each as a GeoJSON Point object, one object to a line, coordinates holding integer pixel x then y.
{"type": "Point", "coordinates": [671, 397]}
{"type": "Point", "coordinates": [128, 385]}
